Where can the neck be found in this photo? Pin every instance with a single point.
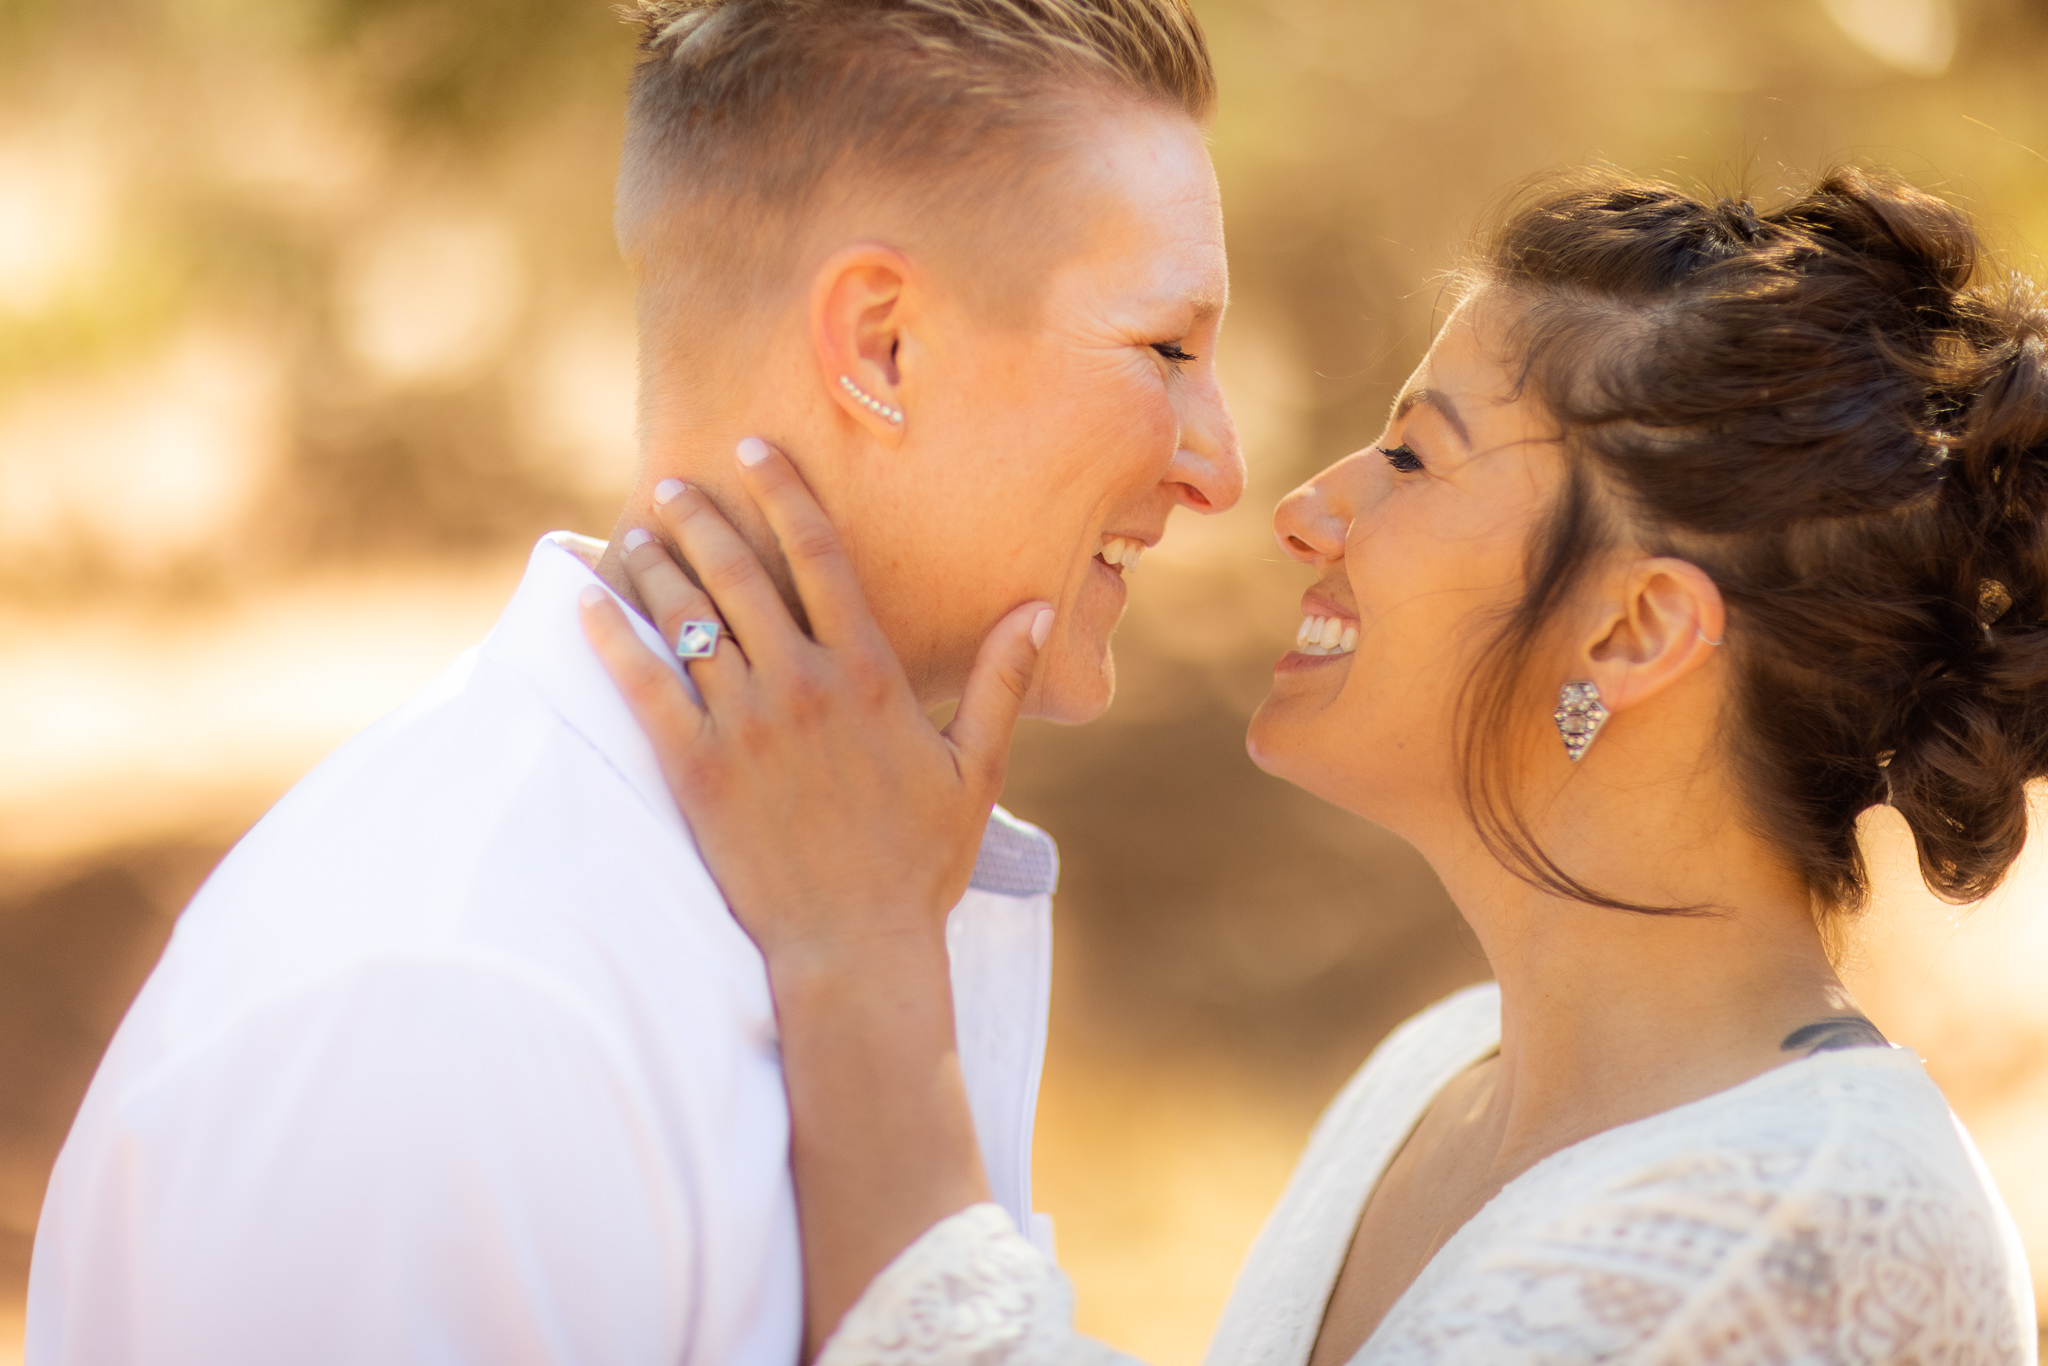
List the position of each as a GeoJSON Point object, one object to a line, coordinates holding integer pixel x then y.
{"type": "Point", "coordinates": [700, 453]}
{"type": "Point", "coordinates": [1610, 1016]}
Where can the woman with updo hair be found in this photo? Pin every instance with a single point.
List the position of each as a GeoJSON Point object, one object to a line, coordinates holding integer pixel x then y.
{"type": "Point", "coordinates": [1699, 531]}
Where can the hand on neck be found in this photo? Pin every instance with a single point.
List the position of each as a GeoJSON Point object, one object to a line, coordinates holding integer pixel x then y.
{"type": "Point", "coordinates": [702, 456]}
{"type": "Point", "coordinates": [721, 489]}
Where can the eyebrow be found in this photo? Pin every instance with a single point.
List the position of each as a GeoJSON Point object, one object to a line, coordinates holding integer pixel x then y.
{"type": "Point", "coordinates": [1202, 306]}
{"type": "Point", "coordinates": [1416, 398]}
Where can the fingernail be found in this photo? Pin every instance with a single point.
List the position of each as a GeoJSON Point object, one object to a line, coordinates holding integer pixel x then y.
{"type": "Point", "coordinates": [1041, 627]}
{"type": "Point", "coordinates": [752, 451]}
{"type": "Point", "coordinates": [667, 489]}
{"type": "Point", "coordinates": [638, 537]}
{"type": "Point", "coordinates": [590, 595]}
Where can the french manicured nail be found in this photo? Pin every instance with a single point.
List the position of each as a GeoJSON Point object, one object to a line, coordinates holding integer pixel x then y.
{"type": "Point", "coordinates": [636, 538]}
{"type": "Point", "coordinates": [1041, 627]}
{"type": "Point", "coordinates": [667, 489]}
{"type": "Point", "coordinates": [590, 595]}
{"type": "Point", "coordinates": [752, 451]}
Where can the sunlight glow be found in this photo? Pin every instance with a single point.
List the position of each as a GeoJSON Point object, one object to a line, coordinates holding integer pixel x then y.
{"type": "Point", "coordinates": [1917, 37]}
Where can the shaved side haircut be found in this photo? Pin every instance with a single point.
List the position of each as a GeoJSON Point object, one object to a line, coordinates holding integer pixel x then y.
{"type": "Point", "coordinates": [747, 118]}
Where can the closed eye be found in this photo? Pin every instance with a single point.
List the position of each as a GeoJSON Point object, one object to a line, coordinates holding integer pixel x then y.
{"type": "Point", "coordinates": [1172, 352]}
{"type": "Point", "coordinates": [1402, 458]}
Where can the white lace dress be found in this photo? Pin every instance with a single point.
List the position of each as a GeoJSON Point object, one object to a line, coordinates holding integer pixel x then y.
{"type": "Point", "coordinates": [1829, 1211]}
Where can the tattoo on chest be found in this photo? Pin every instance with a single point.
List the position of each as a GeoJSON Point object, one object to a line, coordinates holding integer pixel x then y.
{"type": "Point", "coordinates": [1838, 1031]}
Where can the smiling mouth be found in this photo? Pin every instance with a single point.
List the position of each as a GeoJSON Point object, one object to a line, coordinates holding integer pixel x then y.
{"type": "Point", "coordinates": [1120, 553]}
{"type": "Point", "coordinates": [1326, 636]}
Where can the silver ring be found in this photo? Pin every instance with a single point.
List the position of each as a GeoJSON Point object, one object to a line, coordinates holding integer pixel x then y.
{"type": "Point", "coordinates": [698, 639]}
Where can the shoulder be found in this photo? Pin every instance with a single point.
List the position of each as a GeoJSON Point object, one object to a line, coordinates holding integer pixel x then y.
{"type": "Point", "coordinates": [1873, 1230]}
{"type": "Point", "coordinates": [480, 825]}
{"type": "Point", "coordinates": [406, 1044]}
{"type": "Point", "coordinates": [1828, 1210]}
{"type": "Point", "coordinates": [409, 1142]}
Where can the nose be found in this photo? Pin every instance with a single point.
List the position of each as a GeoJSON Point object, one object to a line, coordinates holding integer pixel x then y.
{"type": "Point", "coordinates": [1311, 522]}
{"type": "Point", "coordinates": [1207, 473]}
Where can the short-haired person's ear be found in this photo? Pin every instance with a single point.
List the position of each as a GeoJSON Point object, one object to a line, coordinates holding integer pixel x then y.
{"type": "Point", "coordinates": [1667, 620]}
{"type": "Point", "coordinates": [861, 301]}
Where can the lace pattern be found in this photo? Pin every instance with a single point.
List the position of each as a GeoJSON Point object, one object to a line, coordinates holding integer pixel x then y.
{"type": "Point", "coordinates": [1830, 1211]}
{"type": "Point", "coordinates": [1827, 1213]}
{"type": "Point", "coordinates": [969, 1292]}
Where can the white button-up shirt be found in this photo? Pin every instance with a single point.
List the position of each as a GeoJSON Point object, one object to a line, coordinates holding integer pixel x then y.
{"type": "Point", "coordinates": [460, 1058]}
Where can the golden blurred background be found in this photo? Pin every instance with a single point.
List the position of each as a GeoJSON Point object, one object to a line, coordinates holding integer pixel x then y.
{"type": "Point", "coordinates": [310, 321]}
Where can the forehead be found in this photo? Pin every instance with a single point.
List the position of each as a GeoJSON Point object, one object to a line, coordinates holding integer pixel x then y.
{"type": "Point", "coordinates": [1469, 365]}
{"type": "Point", "coordinates": [1152, 220]}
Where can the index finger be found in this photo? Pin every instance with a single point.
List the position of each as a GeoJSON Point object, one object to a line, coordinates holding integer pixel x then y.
{"type": "Point", "coordinates": [824, 577]}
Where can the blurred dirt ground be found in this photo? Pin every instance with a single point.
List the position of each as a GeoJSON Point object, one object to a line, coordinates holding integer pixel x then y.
{"type": "Point", "coordinates": [1228, 947]}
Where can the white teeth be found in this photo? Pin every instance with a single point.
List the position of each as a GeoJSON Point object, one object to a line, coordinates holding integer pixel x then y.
{"type": "Point", "coordinates": [1326, 636]}
{"type": "Point", "coordinates": [1121, 552]}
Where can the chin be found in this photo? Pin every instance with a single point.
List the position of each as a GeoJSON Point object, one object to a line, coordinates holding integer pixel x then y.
{"type": "Point", "coordinates": [1072, 692]}
{"type": "Point", "coordinates": [1284, 742]}
{"type": "Point", "coordinates": [1266, 740]}
{"type": "Point", "coordinates": [1372, 775]}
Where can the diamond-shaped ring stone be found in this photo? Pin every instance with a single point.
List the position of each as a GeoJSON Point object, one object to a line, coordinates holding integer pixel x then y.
{"type": "Point", "coordinates": [698, 640]}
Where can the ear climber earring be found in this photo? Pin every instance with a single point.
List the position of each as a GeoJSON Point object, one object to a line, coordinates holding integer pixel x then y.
{"type": "Point", "coordinates": [871, 403]}
{"type": "Point", "coordinates": [1579, 717]}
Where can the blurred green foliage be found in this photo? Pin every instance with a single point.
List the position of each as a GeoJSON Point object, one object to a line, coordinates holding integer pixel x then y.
{"type": "Point", "coordinates": [478, 69]}
{"type": "Point", "coordinates": [236, 159]}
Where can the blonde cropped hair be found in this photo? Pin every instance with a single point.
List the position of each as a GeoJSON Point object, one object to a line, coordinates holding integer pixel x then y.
{"type": "Point", "coordinates": [745, 115]}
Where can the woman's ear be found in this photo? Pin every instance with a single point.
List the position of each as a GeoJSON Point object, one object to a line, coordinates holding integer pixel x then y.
{"type": "Point", "coordinates": [861, 301]}
{"type": "Point", "coordinates": [1666, 622]}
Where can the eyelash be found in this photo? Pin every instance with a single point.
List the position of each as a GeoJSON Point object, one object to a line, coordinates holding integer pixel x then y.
{"type": "Point", "coordinates": [1172, 352]}
{"type": "Point", "coordinates": [1402, 459]}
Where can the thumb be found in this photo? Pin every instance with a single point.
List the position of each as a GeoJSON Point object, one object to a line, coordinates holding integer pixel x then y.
{"type": "Point", "coordinates": [995, 690]}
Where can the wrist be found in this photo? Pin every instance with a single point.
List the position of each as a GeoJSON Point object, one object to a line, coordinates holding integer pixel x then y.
{"type": "Point", "coordinates": [842, 971]}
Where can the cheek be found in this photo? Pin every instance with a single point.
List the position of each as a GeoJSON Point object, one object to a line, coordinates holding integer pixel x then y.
{"type": "Point", "coordinates": [1114, 418]}
{"type": "Point", "coordinates": [1379, 738]}
{"type": "Point", "coordinates": [1093, 457]}
{"type": "Point", "coordinates": [1093, 434]}
{"type": "Point", "coordinates": [1428, 600]}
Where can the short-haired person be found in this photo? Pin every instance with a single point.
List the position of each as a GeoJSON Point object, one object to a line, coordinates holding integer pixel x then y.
{"type": "Point", "coordinates": [1698, 531]}
{"type": "Point", "coordinates": [460, 1057]}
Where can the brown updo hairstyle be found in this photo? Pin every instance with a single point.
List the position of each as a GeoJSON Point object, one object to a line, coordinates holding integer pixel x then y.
{"type": "Point", "coordinates": [1829, 409]}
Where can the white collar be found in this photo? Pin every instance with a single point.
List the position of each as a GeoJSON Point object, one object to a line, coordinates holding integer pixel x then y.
{"type": "Point", "coordinates": [540, 638]}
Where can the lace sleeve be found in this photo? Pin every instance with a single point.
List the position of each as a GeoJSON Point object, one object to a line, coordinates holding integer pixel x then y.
{"type": "Point", "coordinates": [969, 1292]}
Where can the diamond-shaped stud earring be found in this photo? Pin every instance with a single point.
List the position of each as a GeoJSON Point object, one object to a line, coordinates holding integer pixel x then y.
{"type": "Point", "coordinates": [1579, 717]}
